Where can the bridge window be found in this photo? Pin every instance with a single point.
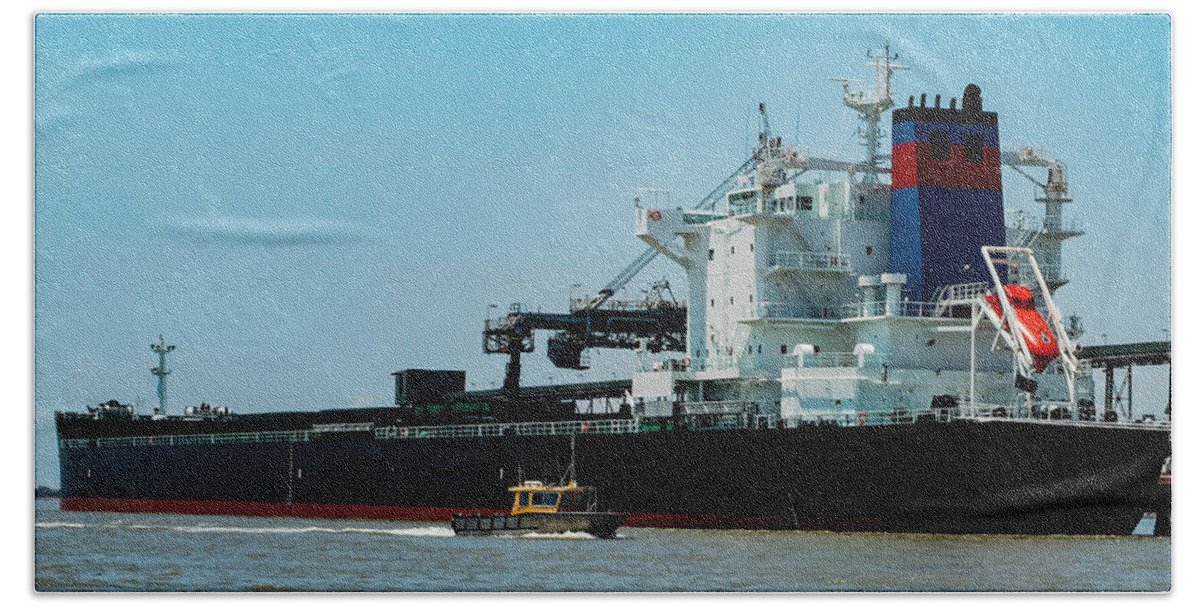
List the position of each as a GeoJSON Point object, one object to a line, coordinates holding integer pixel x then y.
{"type": "Point", "coordinates": [783, 349]}
{"type": "Point", "coordinates": [731, 251]}
{"type": "Point", "coordinates": [710, 254]}
{"type": "Point", "coordinates": [806, 203]}
{"type": "Point", "coordinates": [973, 147]}
{"type": "Point", "coordinates": [869, 250]}
{"type": "Point", "coordinates": [524, 499]}
{"type": "Point", "coordinates": [939, 145]}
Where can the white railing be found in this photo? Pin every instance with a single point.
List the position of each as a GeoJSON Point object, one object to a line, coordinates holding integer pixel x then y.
{"type": "Point", "coordinates": [1034, 224]}
{"type": "Point", "coordinates": [715, 407]}
{"type": "Point", "coordinates": [836, 359]}
{"type": "Point", "coordinates": [741, 409]}
{"type": "Point", "coordinates": [804, 260]}
{"type": "Point", "coordinates": [961, 292]}
{"type": "Point", "coordinates": [570, 427]}
{"type": "Point", "coordinates": [670, 365]}
{"type": "Point", "coordinates": [1022, 413]}
{"type": "Point", "coordinates": [578, 304]}
{"type": "Point", "coordinates": [789, 310]}
{"type": "Point", "coordinates": [865, 310]}
{"type": "Point", "coordinates": [746, 363]}
{"type": "Point", "coordinates": [201, 439]}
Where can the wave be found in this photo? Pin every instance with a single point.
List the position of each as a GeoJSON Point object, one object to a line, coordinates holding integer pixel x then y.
{"type": "Point", "coordinates": [59, 524]}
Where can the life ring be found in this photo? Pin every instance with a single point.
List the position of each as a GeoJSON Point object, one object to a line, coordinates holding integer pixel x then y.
{"type": "Point", "coordinates": [654, 215]}
{"type": "Point", "coordinates": [404, 432]}
{"type": "Point", "coordinates": [862, 418]}
{"type": "Point", "coordinates": [685, 362]}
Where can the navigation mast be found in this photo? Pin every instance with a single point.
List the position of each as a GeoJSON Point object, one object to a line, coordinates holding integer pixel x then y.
{"type": "Point", "coordinates": [872, 103]}
{"type": "Point", "coordinates": [162, 348]}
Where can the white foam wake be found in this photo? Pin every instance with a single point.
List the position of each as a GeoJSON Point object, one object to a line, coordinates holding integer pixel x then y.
{"type": "Point", "coordinates": [211, 529]}
{"type": "Point", "coordinates": [422, 531]}
{"type": "Point", "coordinates": [559, 535]}
{"type": "Point", "coordinates": [426, 531]}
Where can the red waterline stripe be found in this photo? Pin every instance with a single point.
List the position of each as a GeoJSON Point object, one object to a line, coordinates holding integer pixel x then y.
{"type": "Point", "coordinates": [397, 513]}
{"type": "Point", "coordinates": [267, 509]}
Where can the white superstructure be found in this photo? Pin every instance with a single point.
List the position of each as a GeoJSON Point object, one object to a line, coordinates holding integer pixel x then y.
{"type": "Point", "coordinates": [793, 314]}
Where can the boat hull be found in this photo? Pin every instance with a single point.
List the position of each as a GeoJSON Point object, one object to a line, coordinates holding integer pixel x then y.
{"type": "Point", "coordinates": [600, 525]}
{"type": "Point", "coordinates": [959, 477]}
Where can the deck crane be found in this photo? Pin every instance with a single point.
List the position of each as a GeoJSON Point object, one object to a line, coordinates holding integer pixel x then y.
{"type": "Point", "coordinates": [1045, 240]}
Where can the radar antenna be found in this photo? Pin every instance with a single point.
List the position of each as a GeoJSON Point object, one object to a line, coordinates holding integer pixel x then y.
{"type": "Point", "coordinates": [162, 348]}
{"type": "Point", "coordinates": [872, 103]}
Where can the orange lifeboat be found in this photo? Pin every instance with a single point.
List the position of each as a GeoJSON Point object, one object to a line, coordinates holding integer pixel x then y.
{"type": "Point", "coordinates": [1034, 329]}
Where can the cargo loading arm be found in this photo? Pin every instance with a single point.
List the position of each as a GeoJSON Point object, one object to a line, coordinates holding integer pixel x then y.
{"type": "Point", "coordinates": [656, 326]}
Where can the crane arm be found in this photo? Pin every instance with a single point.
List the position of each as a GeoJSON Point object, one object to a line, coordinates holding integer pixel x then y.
{"type": "Point", "coordinates": [625, 276]}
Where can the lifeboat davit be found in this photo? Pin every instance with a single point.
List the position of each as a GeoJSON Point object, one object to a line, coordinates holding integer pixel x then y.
{"type": "Point", "coordinates": [1034, 329]}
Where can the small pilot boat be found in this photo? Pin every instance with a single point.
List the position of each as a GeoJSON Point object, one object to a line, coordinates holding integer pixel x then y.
{"type": "Point", "coordinates": [542, 508]}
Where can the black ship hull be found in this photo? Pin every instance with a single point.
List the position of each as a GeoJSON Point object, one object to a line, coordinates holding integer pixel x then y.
{"type": "Point", "coordinates": [998, 477]}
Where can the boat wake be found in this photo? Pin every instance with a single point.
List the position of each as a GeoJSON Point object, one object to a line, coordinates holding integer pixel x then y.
{"type": "Point", "coordinates": [559, 536]}
{"type": "Point", "coordinates": [205, 529]}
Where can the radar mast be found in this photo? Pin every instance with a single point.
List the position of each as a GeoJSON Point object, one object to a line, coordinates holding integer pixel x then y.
{"type": "Point", "coordinates": [872, 103]}
{"type": "Point", "coordinates": [162, 348]}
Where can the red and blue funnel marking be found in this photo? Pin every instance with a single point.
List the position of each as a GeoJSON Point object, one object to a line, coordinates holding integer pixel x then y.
{"type": "Point", "coordinates": [946, 193]}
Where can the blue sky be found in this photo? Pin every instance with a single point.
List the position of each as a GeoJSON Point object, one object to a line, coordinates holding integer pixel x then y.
{"type": "Point", "coordinates": [305, 204]}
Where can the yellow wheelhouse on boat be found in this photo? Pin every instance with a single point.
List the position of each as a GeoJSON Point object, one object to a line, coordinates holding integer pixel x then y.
{"type": "Point", "coordinates": [536, 497]}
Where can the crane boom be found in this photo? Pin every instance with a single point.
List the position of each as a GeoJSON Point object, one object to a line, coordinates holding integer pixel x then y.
{"type": "Point", "coordinates": [625, 276]}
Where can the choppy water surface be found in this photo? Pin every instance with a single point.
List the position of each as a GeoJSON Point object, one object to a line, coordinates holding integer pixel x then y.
{"type": "Point", "coordinates": [127, 552]}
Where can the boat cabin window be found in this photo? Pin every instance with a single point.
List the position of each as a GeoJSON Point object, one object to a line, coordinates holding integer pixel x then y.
{"type": "Point", "coordinates": [545, 499]}
{"type": "Point", "coordinates": [524, 499]}
{"type": "Point", "coordinates": [577, 500]}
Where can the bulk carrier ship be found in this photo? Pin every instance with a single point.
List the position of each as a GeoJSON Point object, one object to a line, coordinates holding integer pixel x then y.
{"type": "Point", "coordinates": [878, 352]}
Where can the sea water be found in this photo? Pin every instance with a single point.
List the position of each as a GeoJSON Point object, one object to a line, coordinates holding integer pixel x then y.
{"type": "Point", "coordinates": [157, 552]}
